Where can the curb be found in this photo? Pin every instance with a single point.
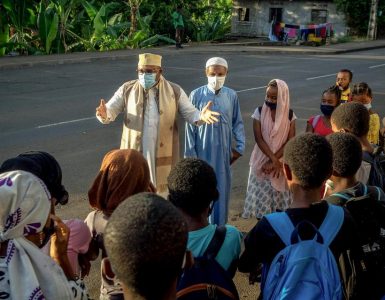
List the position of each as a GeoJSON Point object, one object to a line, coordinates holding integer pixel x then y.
{"type": "Point", "coordinates": [110, 56]}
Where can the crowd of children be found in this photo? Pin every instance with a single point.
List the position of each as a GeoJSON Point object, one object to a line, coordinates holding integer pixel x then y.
{"type": "Point", "coordinates": [317, 198]}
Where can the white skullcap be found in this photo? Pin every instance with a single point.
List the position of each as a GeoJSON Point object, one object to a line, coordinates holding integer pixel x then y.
{"type": "Point", "coordinates": [216, 61]}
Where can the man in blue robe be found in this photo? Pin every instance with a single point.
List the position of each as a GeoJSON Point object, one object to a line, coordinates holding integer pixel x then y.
{"type": "Point", "coordinates": [213, 143]}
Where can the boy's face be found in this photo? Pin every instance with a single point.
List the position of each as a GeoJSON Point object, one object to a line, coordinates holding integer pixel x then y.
{"type": "Point", "coordinates": [364, 99]}
{"type": "Point", "coordinates": [343, 80]}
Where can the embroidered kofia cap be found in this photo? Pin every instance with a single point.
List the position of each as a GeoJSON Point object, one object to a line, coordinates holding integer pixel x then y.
{"type": "Point", "coordinates": [150, 59]}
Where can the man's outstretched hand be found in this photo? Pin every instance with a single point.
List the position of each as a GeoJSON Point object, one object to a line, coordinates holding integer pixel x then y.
{"type": "Point", "coordinates": [208, 116]}
{"type": "Point", "coordinates": [101, 110]}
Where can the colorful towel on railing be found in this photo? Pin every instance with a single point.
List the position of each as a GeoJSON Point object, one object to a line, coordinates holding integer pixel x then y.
{"type": "Point", "coordinates": [281, 31]}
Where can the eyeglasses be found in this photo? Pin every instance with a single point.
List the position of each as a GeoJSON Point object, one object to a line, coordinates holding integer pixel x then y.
{"type": "Point", "coordinates": [147, 71]}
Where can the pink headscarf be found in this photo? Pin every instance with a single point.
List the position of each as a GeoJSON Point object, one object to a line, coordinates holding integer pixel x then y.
{"type": "Point", "coordinates": [274, 134]}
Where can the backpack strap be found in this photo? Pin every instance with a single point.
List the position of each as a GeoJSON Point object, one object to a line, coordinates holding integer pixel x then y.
{"type": "Point", "coordinates": [366, 189]}
{"type": "Point", "coordinates": [282, 226]}
{"type": "Point", "coordinates": [371, 189]}
{"type": "Point", "coordinates": [216, 242]}
{"type": "Point", "coordinates": [315, 121]}
{"type": "Point", "coordinates": [332, 223]}
{"type": "Point", "coordinates": [368, 157]}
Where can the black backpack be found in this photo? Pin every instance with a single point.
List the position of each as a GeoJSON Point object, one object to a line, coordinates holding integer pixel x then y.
{"type": "Point", "coordinates": [369, 264]}
{"type": "Point", "coordinates": [377, 170]}
{"type": "Point", "coordinates": [206, 279]}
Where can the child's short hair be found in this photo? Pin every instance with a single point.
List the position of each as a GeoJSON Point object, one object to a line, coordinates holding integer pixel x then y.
{"type": "Point", "coordinates": [192, 186]}
{"type": "Point", "coordinates": [347, 71]}
{"type": "Point", "coordinates": [362, 88]}
{"type": "Point", "coordinates": [347, 153]}
{"type": "Point", "coordinates": [334, 89]}
{"type": "Point", "coordinates": [352, 116]}
{"type": "Point", "coordinates": [146, 238]}
{"type": "Point", "coordinates": [309, 157]}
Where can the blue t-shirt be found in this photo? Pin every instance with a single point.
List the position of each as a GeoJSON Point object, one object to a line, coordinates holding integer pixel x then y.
{"type": "Point", "coordinates": [199, 240]}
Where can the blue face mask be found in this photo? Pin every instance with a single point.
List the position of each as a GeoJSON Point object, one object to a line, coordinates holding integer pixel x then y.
{"type": "Point", "coordinates": [147, 80]}
{"type": "Point", "coordinates": [327, 110]}
{"type": "Point", "coordinates": [271, 105]}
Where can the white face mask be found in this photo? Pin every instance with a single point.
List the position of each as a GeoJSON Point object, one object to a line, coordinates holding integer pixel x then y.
{"type": "Point", "coordinates": [216, 82]}
{"type": "Point", "coordinates": [368, 106]}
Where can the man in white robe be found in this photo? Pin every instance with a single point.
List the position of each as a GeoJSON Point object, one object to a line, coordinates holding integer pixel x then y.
{"type": "Point", "coordinates": [150, 105]}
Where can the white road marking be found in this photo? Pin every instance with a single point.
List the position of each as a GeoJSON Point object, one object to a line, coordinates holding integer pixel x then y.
{"type": "Point", "coordinates": [65, 122]}
{"type": "Point", "coordinates": [322, 76]}
{"type": "Point", "coordinates": [256, 88]}
{"type": "Point", "coordinates": [240, 91]}
{"type": "Point", "coordinates": [377, 66]}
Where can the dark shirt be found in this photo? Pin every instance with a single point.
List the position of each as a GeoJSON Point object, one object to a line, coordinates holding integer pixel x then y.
{"type": "Point", "coordinates": [262, 244]}
{"type": "Point", "coordinates": [357, 191]}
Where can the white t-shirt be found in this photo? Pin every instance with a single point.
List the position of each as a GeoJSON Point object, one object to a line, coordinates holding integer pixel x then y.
{"type": "Point", "coordinates": [257, 116]}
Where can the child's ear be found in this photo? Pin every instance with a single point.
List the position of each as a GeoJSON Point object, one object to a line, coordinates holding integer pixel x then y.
{"type": "Point", "coordinates": [287, 172]}
{"type": "Point", "coordinates": [188, 260]}
{"type": "Point", "coordinates": [334, 173]}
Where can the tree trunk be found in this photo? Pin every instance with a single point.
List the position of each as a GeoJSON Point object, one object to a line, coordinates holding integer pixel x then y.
{"type": "Point", "coordinates": [372, 26]}
{"type": "Point", "coordinates": [134, 22]}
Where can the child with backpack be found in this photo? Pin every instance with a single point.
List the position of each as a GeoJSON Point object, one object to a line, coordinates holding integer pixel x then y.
{"type": "Point", "coordinates": [146, 239]}
{"type": "Point", "coordinates": [320, 124]}
{"type": "Point", "coordinates": [367, 206]}
{"type": "Point", "coordinates": [193, 190]}
{"type": "Point", "coordinates": [273, 125]}
{"type": "Point", "coordinates": [123, 173]}
{"type": "Point", "coordinates": [353, 117]}
{"type": "Point", "coordinates": [362, 93]}
{"type": "Point", "coordinates": [299, 247]}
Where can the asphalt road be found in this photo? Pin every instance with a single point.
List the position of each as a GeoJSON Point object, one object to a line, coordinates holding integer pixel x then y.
{"type": "Point", "coordinates": [52, 108]}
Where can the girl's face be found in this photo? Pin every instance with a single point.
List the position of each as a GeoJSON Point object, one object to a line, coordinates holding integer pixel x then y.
{"type": "Point", "coordinates": [363, 98]}
{"type": "Point", "coordinates": [272, 94]}
{"type": "Point", "coordinates": [329, 99]}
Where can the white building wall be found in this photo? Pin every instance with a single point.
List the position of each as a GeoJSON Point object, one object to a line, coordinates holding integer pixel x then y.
{"type": "Point", "coordinates": [294, 12]}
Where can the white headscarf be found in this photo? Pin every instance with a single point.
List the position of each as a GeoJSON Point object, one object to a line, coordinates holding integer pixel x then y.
{"type": "Point", "coordinates": [24, 209]}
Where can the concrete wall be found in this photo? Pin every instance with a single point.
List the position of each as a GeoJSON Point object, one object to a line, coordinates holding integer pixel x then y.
{"type": "Point", "coordinates": [294, 12]}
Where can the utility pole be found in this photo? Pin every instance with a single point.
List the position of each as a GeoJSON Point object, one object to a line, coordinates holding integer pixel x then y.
{"type": "Point", "coordinates": [372, 27]}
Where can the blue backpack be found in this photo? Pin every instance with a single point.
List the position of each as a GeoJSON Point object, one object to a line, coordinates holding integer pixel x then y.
{"type": "Point", "coordinates": [304, 269]}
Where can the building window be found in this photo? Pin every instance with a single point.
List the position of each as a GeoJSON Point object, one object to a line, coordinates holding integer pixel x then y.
{"type": "Point", "coordinates": [243, 14]}
{"type": "Point", "coordinates": [319, 16]}
{"type": "Point", "coordinates": [275, 14]}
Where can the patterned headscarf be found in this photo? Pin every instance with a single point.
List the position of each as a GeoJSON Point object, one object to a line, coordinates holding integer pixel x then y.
{"type": "Point", "coordinates": [42, 165]}
{"type": "Point", "coordinates": [123, 173]}
{"type": "Point", "coordinates": [24, 210]}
